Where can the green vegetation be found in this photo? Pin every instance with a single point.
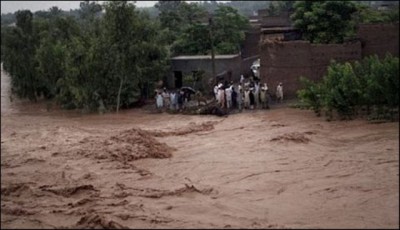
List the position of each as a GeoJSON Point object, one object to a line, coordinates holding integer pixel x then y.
{"type": "Point", "coordinates": [245, 8]}
{"type": "Point", "coordinates": [186, 28]}
{"type": "Point", "coordinates": [324, 21]}
{"type": "Point", "coordinates": [277, 7]}
{"type": "Point", "coordinates": [371, 85]}
{"type": "Point", "coordinates": [367, 14]}
{"type": "Point", "coordinates": [335, 21]}
{"type": "Point", "coordinates": [103, 63]}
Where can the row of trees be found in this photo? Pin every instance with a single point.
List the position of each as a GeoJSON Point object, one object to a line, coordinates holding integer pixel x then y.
{"type": "Point", "coordinates": [94, 63]}
{"type": "Point", "coordinates": [108, 56]}
{"type": "Point", "coordinates": [371, 85]}
{"type": "Point", "coordinates": [245, 8]}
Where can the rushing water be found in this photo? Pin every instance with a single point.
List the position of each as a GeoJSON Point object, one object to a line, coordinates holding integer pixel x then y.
{"type": "Point", "coordinates": [280, 168]}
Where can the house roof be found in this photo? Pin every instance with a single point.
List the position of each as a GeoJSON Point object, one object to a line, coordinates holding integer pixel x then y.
{"type": "Point", "coordinates": [272, 30]}
{"type": "Point", "coordinates": [202, 57]}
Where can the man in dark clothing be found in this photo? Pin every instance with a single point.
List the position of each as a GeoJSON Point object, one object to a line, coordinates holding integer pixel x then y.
{"type": "Point", "coordinates": [252, 100]}
{"type": "Point", "coordinates": [180, 99]}
{"type": "Point", "coordinates": [234, 96]}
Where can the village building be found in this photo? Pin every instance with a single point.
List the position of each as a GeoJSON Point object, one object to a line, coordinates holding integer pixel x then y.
{"type": "Point", "coordinates": [284, 56]}
{"type": "Point", "coordinates": [227, 67]}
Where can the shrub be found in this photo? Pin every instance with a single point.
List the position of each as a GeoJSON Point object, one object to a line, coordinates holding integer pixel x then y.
{"type": "Point", "coordinates": [346, 88]}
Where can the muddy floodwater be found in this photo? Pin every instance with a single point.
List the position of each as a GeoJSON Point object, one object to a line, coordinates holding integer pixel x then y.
{"type": "Point", "coordinates": [279, 168]}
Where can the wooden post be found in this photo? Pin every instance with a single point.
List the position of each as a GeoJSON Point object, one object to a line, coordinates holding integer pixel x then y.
{"type": "Point", "coordinates": [212, 49]}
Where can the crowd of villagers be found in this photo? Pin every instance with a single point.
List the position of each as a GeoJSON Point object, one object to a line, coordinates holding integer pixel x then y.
{"type": "Point", "coordinates": [248, 94]}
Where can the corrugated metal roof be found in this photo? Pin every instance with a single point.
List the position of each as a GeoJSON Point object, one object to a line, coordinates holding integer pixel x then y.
{"type": "Point", "coordinates": [277, 29]}
{"type": "Point", "coordinates": [197, 57]}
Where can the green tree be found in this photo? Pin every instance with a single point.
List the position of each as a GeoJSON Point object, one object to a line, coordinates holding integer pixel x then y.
{"type": "Point", "coordinates": [277, 7]}
{"type": "Point", "coordinates": [311, 94]}
{"type": "Point", "coordinates": [51, 63]}
{"type": "Point", "coordinates": [56, 34]}
{"type": "Point", "coordinates": [372, 83]}
{"type": "Point", "coordinates": [366, 14]}
{"type": "Point", "coordinates": [132, 50]}
{"type": "Point", "coordinates": [324, 21]}
{"type": "Point", "coordinates": [100, 63]}
{"type": "Point", "coordinates": [229, 27]}
{"type": "Point", "coordinates": [170, 19]}
{"type": "Point", "coordinates": [343, 89]}
{"type": "Point", "coordinates": [228, 32]}
{"type": "Point", "coordinates": [192, 13]}
{"type": "Point", "coordinates": [19, 56]}
{"type": "Point", "coordinates": [89, 10]}
{"type": "Point", "coordinates": [194, 40]}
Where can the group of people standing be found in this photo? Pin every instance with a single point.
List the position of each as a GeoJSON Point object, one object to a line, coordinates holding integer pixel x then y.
{"type": "Point", "coordinates": [245, 95]}
{"type": "Point", "coordinates": [173, 99]}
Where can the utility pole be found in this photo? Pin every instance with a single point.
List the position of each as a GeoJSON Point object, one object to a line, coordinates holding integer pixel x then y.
{"type": "Point", "coordinates": [212, 49]}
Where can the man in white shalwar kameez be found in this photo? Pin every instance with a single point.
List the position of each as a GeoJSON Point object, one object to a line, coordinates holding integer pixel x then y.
{"type": "Point", "coordinates": [279, 92]}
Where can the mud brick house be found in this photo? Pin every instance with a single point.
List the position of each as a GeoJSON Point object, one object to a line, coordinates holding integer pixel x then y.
{"type": "Point", "coordinates": [281, 20]}
{"type": "Point", "coordinates": [286, 33]}
{"type": "Point", "coordinates": [262, 27]}
{"type": "Point", "coordinates": [285, 61]}
{"type": "Point", "coordinates": [379, 39]}
{"type": "Point", "coordinates": [229, 67]}
{"type": "Point", "coordinates": [284, 57]}
{"type": "Point", "coordinates": [250, 50]}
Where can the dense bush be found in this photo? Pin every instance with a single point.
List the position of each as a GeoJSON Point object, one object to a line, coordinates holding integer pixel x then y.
{"type": "Point", "coordinates": [371, 85]}
{"type": "Point", "coordinates": [311, 95]}
{"type": "Point", "coordinates": [87, 63]}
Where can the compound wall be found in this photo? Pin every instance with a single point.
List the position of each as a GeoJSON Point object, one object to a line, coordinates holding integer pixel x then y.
{"type": "Point", "coordinates": [379, 39]}
{"type": "Point", "coordinates": [286, 61]}
{"type": "Point", "coordinates": [251, 44]}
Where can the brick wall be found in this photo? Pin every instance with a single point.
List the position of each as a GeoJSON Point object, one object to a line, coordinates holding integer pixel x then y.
{"type": "Point", "coordinates": [286, 61]}
{"type": "Point", "coordinates": [251, 43]}
{"type": "Point", "coordinates": [275, 21]}
{"type": "Point", "coordinates": [281, 20]}
{"type": "Point", "coordinates": [379, 39]}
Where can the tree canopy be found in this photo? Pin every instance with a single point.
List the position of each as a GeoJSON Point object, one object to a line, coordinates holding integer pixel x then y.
{"type": "Point", "coordinates": [187, 28]}
{"type": "Point", "coordinates": [324, 21]}
{"type": "Point", "coordinates": [92, 63]}
{"type": "Point", "coordinates": [366, 14]}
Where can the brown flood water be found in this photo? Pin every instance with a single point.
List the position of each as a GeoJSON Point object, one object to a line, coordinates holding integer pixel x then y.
{"type": "Point", "coordinates": [280, 168]}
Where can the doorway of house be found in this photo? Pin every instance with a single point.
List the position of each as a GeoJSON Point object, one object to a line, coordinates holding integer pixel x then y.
{"type": "Point", "coordinates": [178, 79]}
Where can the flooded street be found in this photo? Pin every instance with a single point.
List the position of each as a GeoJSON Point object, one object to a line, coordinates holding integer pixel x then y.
{"type": "Point", "coordinates": [279, 168]}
